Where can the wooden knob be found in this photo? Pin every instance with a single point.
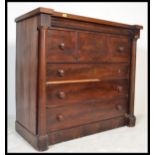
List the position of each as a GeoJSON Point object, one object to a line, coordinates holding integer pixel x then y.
{"type": "Point", "coordinates": [61, 72]}
{"type": "Point", "coordinates": [119, 70]}
{"type": "Point", "coordinates": [60, 117]}
{"type": "Point", "coordinates": [62, 45]}
{"type": "Point", "coordinates": [77, 58]}
{"type": "Point", "coordinates": [119, 88]}
{"type": "Point", "coordinates": [121, 48]}
{"type": "Point", "coordinates": [119, 107]}
{"type": "Point", "coordinates": [61, 95]}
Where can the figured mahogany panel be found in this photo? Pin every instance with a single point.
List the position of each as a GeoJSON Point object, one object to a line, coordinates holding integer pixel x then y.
{"type": "Point", "coordinates": [61, 45]}
{"type": "Point", "coordinates": [83, 113]}
{"type": "Point", "coordinates": [75, 46]}
{"type": "Point", "coordinates": [86, 129]}
{"type": "Point", "coordinates": [119, 48]}
{"type": "Point", "coordinates": [26, 73]}
{"type": "Point", "coordinates": [60, 72]}
{"type": "Point", "coordinates": [75, 93]}
{"type": "Point", "coordinates": [92, 47]}
{"type": "Point", "coordinates": [85, 26]}
{"type": "Point", "coordinates": [103, 48]}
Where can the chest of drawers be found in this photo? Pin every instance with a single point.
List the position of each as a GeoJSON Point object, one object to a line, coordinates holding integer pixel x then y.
{"type": "Point", "coordinates": [75, 76]}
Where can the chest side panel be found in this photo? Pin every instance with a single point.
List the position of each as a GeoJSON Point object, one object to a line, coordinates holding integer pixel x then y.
{"type": "Point", "coordinates": [26, 73]}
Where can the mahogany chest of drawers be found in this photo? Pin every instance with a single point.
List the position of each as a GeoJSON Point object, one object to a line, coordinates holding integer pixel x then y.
{"type": "Point", "coordinates": [75, 76]}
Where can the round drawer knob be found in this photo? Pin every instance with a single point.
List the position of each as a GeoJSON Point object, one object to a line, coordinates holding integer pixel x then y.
{"type": "Point", "coordinates": [61, 72]}
{"type": "Point", "coordinates": [121, 48]}
{"type": "Point", "coordinates": [119, 70]}
{"type": "Point", "coordinates": [119, 89]}
{"type": "Point", "coordinates": [60, 117]}
{"type": "Point", "coordinates": [62, 45]}
{"type": "Point", "coordinates": [61, 95]}
{"type": "Point", "coordinates": [119, 107]}
{"type": "Point", "coordinates": [77, 58]}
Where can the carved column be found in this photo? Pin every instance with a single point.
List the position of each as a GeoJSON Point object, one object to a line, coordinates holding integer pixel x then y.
{"type": "Point", "coordinates": [42, 133]}
{"type": "Point", "coordinates": [130, 116]}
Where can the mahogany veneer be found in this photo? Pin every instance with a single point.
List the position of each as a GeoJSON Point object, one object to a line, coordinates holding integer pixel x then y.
{"type": "Point", "coordinates": [75, 76]}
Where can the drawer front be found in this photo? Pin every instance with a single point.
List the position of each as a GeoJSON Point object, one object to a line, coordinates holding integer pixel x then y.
{"type": "Point", "coordinates": [75, 46]}
{"type": "Point", "coordinates": [93, 27]}
{"type": "Point", "coordinates": [95, 47]}
{"type": "Point", "coordinates": [60, 72]}
{"type": "Point", "coordinates": [74, 115]}
{"type": "Point", "coordinates": [119, 49]}
{"type": "Point", "coordinates": [75, 93]}
{"type": "Point", "coordinates": [60, 45]}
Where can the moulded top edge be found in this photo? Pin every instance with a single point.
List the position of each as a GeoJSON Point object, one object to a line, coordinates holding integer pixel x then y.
{"type": "Point", "coordinates": [75, 17]}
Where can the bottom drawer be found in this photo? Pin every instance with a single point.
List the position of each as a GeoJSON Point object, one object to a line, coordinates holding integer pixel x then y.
{"type": "Point", "coordinates": [79, 114]}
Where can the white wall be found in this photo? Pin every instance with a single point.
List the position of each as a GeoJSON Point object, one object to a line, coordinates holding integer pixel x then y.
{"type": "Point", "coordinates": [130, 13]}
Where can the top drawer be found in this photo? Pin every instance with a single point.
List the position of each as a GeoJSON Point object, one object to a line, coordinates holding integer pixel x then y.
{"type": "Point", "coordinates": [61, 46]}
{"type": "Point", "coordinates": [76, 46]}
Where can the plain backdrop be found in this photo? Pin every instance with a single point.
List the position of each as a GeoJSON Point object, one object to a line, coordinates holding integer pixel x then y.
{"type": "Point", "coordinates": [129, 13]}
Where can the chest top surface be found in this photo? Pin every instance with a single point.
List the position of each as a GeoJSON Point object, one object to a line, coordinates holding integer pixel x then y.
{"type": "Point", "coordinates": [75, 17]}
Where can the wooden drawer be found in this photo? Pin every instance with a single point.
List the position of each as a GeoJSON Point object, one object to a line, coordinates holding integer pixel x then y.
{"type": "Point", "coordinates": [60, 72]}
{"type": "Point", "coordinates": [64, 45]}
{"type": "Point", "coordinates": [100, 47]}
{"type": "Point", "coordinates": [119, 48]}
{"type": "Point", "coordinates": [75, 93]}
{"type": "Point", "coordinates": [61, 45]}
{"type": "Point", "coordinates": [93, 27]}
{"type": "Point", "coordinates": [79, 114]}
{"type": "Point", "coordinates": [92, 47]}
